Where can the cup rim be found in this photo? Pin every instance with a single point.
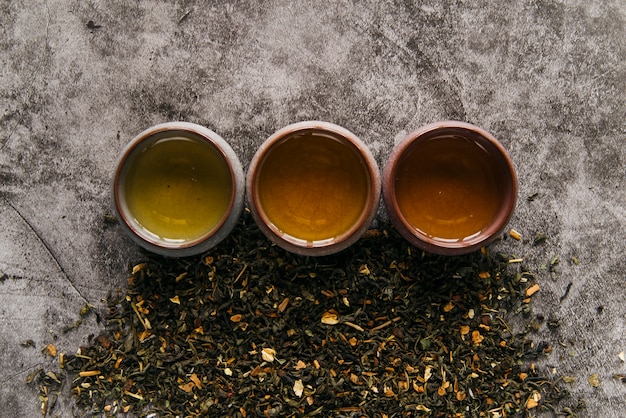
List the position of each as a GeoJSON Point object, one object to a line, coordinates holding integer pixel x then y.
{"type": "Point", "coordinates": [324, 247]}
{"type": "Point", "coordinates": [423, 241]}
{"type": "Point", "coordinates": [155, 133]}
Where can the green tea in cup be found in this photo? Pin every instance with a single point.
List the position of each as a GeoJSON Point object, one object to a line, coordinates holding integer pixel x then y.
{"type": "Point", "coordinates": [176, 187]}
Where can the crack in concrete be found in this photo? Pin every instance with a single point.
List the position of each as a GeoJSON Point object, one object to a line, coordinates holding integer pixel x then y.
{"type": "Point", "coordinates": [46, 247]}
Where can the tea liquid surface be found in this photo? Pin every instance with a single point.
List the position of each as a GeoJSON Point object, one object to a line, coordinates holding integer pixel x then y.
{"type": "Point", "coordinates": [178, 188]}
{"type": "Point", "coordinates": [447, 188]}
{"type": "Point", "coordinates": [313, 187]}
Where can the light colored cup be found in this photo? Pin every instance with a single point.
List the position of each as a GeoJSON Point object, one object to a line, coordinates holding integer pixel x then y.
{"type": "Point", "coordinates": [313, 188]}
{"type": "Point", "coordinates": [449, 188]}
{"type": "Point", "coordinates": [178, 189]}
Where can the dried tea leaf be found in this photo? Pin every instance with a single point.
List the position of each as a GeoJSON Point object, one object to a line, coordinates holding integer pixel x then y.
{"type": "Point", "coordinates": [533, 401]}
{"type": "Point", "coordinates": [330, 317]}
{"type": "Point", "coordinates": [515, 235]}
{"type": "Point", "coordinates": [175, 300]}
{"type": "Point", "coordinates": [89, 373]}
{"type": "Point", "coordinates": [28, 343]}
{"type": "Point", "coordinates": [32, 375]}
{"type": "Point", "coordinates": [283, 305]}
{"type": "Point", "coordinates": [51, 350]}
{"type": "Point", "coordinates": [569, 379]}
{"type": "Point", "coordinates": [594, 380]}
{"type": "Point", "coordinates": [427, 373]}
{"type": "Point", "coordinates": [461, 395]}
{"type": "Point", "coordinates": [443, 389]}
{"type": "Point", "coordinates": [298, 388]}
{"type": "Point", "coordinates": [532, 290]}
{"type": "Point", "coordinates": [187, 387]}
{"type": "Point", "coordinates": [477, 338]}
{"type": "Point", "coordinates": [138, 268]}
{"type": "Point", "coordinates": [268, 354]}
{"type": "Point", "coordinates": [196, 381]}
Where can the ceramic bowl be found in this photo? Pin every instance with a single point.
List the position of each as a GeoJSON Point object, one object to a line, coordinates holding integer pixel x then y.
{"type": "Point", "coordinates": [449, 188]}
{"type": "Point", "coordinates": [178, 189]}
{"type": "Point", "coordinates": [313, 188]}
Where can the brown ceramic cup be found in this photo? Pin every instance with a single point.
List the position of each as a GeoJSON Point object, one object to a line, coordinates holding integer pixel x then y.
{"type": "Point", "coordinates": [449, 188]}
{"type": "Point", "coordinates": [313, 188]}
{"type": "Point", "coordinates": [178, 189]}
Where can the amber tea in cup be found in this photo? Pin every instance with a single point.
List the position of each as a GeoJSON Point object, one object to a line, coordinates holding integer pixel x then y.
{"type": "Point", "coordinates": [313, 187]}
{"type": "Point", "coordinates": [176, 187]}
{"type": "Point", "coordinates": [449, 187]}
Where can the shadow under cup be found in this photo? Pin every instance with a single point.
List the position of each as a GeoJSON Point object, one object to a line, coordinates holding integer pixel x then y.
{"type": "Point", "coordinates": [178, 189]}
{"type": "Point", "coordinates": [449, 188]}
{"type": "Point", "coordinates": [313, 188]}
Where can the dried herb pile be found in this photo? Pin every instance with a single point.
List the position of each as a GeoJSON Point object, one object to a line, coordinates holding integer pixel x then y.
{"type": "Point", "coordinates": [379, 330]}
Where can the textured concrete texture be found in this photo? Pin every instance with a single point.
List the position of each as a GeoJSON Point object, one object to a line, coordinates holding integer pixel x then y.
{"type": "Point", "coordinates": [78, 79]}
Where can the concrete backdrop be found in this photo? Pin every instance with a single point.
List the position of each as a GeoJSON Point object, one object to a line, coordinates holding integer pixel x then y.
{"type": "Point", "coordinates": [78, 79]}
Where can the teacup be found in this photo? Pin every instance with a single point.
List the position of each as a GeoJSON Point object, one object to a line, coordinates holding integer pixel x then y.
{"type": "Point", "coordinates": [178, 189]}
{"type": "Point", "coordinates": [449, 187]}
{"type": "Point", "coordinates": [313, 188]}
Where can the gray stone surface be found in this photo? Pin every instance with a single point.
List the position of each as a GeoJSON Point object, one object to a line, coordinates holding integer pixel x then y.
{"type": "Point", "coordinates": [546, 77]}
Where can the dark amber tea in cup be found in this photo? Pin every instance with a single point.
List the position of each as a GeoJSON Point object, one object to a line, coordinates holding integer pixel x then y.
{"type": "Point", "coordinates": [177, 187]}
{"type": "Point", "coordinates": [447, 188]}
{"type": "Point", "coordinates": [313, 187]}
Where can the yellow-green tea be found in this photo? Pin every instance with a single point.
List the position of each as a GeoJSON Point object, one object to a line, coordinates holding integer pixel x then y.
{"type": "Point", "coordinates": [178, 188]}
{"type": "Point", "coordinates": [447, 188]}
{"type": "Point", "coordinates": [313, 187]}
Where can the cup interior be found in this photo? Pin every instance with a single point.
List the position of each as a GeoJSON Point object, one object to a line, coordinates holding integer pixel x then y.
{"type": "Point", "coordinates": [312, 187]}
{"type": "Point", "coordinates": [450, 188]}
{"type": "Point", "coordinates": [173, 188]}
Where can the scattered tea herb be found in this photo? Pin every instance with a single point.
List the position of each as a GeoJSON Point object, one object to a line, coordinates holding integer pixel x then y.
{"type": "Point", "coordinates": [539, 238]}
{"type": "Point", "coordinates": [515, 234]}
{"type": "Point", "coordinates": [109, 218]}
{"type": "Point", "coordinates": [28, 343]}
{"type": "Point", "coordinates": [377, 330]}
{"type": "Point", "coordinates": [82, 313]}
{"type": "Point", "coordinates": [49, 385]}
